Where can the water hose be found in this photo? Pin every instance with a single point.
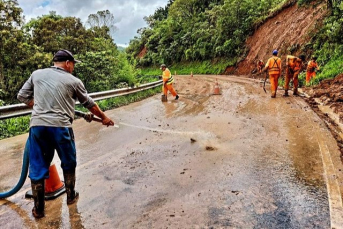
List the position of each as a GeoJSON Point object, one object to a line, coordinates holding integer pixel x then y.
{"type": "Point", "coordinates": [23, 174]}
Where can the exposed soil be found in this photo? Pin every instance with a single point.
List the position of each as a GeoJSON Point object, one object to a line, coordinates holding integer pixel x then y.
{"type": "Point", "coordinates": [329, 93]}
{"type": "Point", "coordinates": [285, 32]}
{"type": "Point", "coordinates": [142, 52]}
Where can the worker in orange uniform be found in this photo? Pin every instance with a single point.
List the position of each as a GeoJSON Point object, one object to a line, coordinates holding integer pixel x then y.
{"type": "Point", "coordinates": [294, 66]}
{"type": "Point", "coordinates": [260, 65]}
{"type": "Point", "coordinates": [312, 66]}
{"type": "Point", "coordinates": [273, 66]}
{"type": "Point", "coordinates": [168, 82]}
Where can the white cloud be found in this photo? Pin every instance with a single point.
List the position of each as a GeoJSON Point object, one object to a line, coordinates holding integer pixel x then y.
{"type": "Point", "coordinates": [128, 14]}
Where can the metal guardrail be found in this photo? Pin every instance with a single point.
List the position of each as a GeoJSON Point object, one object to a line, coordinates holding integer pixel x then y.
{"type": "Point", "coordinates": [12, 111]}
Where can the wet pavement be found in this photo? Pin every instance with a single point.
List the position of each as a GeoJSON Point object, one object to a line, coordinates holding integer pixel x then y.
{"type": "Point", "coordinates": [235, 160]}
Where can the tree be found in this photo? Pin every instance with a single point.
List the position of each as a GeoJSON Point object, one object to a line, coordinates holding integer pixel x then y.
{"type": "Point", "coordinates": [104, 71]}
{"type": "Point", "coordinates": [18, 57]}
{"type": "Point", "coordinates": [192, 30]}
{"type": "Point", "coordinates": [103, 22]}
{"type": "Point", "coordinates": [53, 32]}
{"type": "Point", "coordinates": [10, 19]}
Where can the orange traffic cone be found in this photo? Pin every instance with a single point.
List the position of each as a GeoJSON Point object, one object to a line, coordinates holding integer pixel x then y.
{"type": "Point", "coordinates": [53, 183]}
{"type": "Point", "coordinates": [54, 187]}
{"type": "Point", "coordinates": [216, 90]}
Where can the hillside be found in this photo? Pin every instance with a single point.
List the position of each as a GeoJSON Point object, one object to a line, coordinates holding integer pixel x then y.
{"type": "Point", "coordinates": [286, 31]}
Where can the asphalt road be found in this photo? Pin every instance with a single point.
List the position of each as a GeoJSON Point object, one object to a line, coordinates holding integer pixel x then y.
{"type": "Point", "coordinates": [235, 160]}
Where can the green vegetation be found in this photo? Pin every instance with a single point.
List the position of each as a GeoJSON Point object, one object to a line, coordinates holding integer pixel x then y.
{"type": "Point", "coordinates": [199, 31]}
{"type": "Point", "coordinates": [27, 47]}
{"type": "Point", "coordinates": [189, 35]}
{"type": "Point", "coordinates": [197, 67]}
{"type": "Point", "coordinates": [14, 126]}
{"type": "Point", "coordinates": [327, 44]}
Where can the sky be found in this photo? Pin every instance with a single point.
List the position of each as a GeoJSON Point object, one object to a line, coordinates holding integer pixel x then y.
{"type": "Point", "coordinates": [128, 14]}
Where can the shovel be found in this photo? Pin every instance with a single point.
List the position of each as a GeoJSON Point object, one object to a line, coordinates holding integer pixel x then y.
{"type": "Point", "coordinates": [264, 83]}
{"type": "Point", "coordinates": [164, 97]}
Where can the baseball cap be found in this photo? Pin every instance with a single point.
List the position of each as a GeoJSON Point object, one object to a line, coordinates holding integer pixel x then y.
{"type": "Point", "coordinates": [64, 55]}
{"type": "Point", "coordinates": [275, 52]}
{"type": "Point", "coordinates": [162, 66]}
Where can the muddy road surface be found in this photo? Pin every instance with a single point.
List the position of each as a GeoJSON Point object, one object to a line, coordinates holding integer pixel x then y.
{"type": "Point", "coordinates": [235, 160]}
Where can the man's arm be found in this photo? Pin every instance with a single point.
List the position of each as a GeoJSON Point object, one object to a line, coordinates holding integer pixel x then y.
{"type": "Point", "coordinates": [25, 94]}
{"type": "Point", "coordinates": [287, 60]}
{"type": "Point", "coordinates": [87, 102]}
{"type": "Point", "coordinates": [317, 66]}
{"type": "Point", "coordinates": [31, 103]}
{"type": "Point", "coordinates": [266, 66]}
{"type": "Point", "coordinates": [98, 112]}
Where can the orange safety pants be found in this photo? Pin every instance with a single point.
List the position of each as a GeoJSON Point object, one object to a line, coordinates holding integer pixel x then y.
{"type": "Point", "coordinates": [273, 78]}
{"type": "Point", "coordinates": [309, 76]}
{"type": "Point", "coordinates": [292, 75]}
{"type": "Point", "coordinates": [168, 87]}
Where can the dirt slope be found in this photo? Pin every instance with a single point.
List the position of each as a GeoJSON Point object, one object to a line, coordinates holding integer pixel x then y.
{"type": "Point", "coordinates": [329, 92]}
{"type": "Point", "coordinates": [285, 32]}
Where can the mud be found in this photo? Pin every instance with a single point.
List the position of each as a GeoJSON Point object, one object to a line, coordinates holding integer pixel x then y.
{"type": "Point", "coordinates": [329, 94]}
{"type": "Point", "coordinates": [286, 31]}
{"type": "Point", "coordinates": [235, 160]}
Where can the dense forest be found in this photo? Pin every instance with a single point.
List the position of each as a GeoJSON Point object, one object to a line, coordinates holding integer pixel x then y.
{"type": "Point", "coordinates": [25, 47]}
{"type": "Point", "coordinates": [196, 30]}
{"type": "Point", "coordinates": [213, 32]}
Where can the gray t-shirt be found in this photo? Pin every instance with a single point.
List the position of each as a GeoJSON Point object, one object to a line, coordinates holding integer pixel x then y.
{"type": "Point", "coordinates": [54, 91]}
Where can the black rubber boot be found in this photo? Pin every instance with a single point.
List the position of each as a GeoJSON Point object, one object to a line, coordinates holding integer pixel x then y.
{"type": "Point", "coordinates": [295, 91]}
{"type": "Point", "coordinates": [38, 191]}
{"type": "Point", "coordinates": [176, 97]}
{"type": "Point", "coordinates": [286, 93]}
{"type": "Point", "coordinates": [69, 179]}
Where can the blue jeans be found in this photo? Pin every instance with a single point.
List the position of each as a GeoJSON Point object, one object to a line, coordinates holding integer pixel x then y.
{"type": "Point", "coordinates": [44, 141]}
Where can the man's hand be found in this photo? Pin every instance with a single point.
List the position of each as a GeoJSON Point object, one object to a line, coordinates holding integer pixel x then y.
{"type": "Point", "coordinates": [107, 122]}
{"type": "Point", "coordinates": [98, 112]}
{"type": "Point", "coordinates": [31, 103]}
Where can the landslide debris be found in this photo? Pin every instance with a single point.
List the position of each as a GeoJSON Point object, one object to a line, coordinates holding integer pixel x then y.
{"type": "Point", "coordinates": [329, 92]}
{"type": "Point", "coordinates": [287, 31]}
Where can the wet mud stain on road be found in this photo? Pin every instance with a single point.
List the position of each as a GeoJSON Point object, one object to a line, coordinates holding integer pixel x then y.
{"type": "Point", "coordinates": [224, 161]}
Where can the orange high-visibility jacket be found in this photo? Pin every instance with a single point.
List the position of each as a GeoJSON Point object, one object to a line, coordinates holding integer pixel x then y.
{"type": "Point", "coordinates": [167, 77]}
{"type": "Point", "coordinates": [294, 63]}
{"type": "Point", "coordinates": [311, 66]}
{"type": "Point", "coordinates": [274, 65]}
